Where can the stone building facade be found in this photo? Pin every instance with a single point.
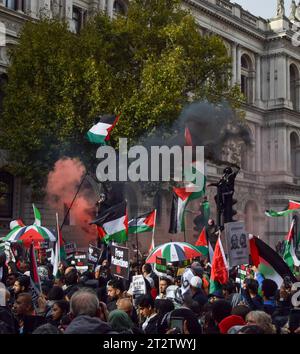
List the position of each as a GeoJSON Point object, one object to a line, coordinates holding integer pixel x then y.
{"type": "Point", "coordinates": [265, 63]}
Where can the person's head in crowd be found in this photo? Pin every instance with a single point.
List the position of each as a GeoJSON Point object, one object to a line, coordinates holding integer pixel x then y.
{"type": "Point", "coordinates": [115, 289]}
{"type": "Point", "coordinates": [71, 276]}
{"type": "Point", "coordinates": [84, 302]}
{"type": "Point", "coordinates": [195, 284]}
{"type": "Point", "coordinates": [163, 284]}
{"type": "Point", "coordinates": [46, 328]}
{"type": "Point", "coordinates": [228, 289]}
{"type": "Point", "coordinates": [21, 285]}
{"type": "Point", "coordinates": [163, 306]}
{"type": "Point", "coordinates": [192, 305]}
{"type": "Point", "coordinates": [45, 289]}
{"type": "Point", "coordinates": [146, 269]}
{"type": "Point", "coordinates": [125, 304]}
{"type": "Point", "coordinates": [23, 305]}
{"type": "Point", "coordinates": [60, 308]}
{"type": "Point", "coordinates": [261, 319]}
{"type": "Point", "coordinates": [177, 281]}
{"type": "Point", "coordinates": [11, 278]}
{"type": "Point", "coordinates": [197, 269]}
{"type": "Point", "coordinates": [12, 268]}
{"type": "Point", "coordinates": [184, 320]}
{"type": "Point", "coordinates": [23, 266]}
{"type": "Point", "coordinates": [251, 329]}
{"type": "Point", "coordinates": [229, 322]}
{"type": "Point", "coordinates": [55, 293]}
{"type": "Point", "coordinates": [269, 289]}
{"type": "Point", "coordinates": [211, 222]}
{"type": "Point", "coordinates": [120, 322]}
{"type": "Point", "coordinates": [59, 281]}
{"type": "Point", "coordinates": [252, 286]}
{"type": "Point", "coordinates": [215, 296]}
{"type": "Point", "coordinates": [220, 309]}
{"type": "Point", "coordinates": [70, 292]}
{"type": "Point", "coordinates": [146, 305]}
{"type": "Point", "coordinates": [241, 310]}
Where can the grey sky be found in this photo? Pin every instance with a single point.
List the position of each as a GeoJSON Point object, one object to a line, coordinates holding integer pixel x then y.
{"type": "Point", "coordinates": [263, 8]}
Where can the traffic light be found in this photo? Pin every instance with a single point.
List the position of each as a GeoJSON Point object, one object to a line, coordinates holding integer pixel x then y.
{"type": "Point", "coordinates": [229, 202]}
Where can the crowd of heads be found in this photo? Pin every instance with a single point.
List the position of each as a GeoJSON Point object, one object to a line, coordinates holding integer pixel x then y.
{"type": "Point", "coordinates": [180, 301]}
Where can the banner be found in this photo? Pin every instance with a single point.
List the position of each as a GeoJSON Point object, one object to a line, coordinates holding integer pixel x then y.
{"type": "Point", "coordinates": [138, 286]}
{"type": "Point", "coordinates": [237, 243]}
{"type": "Point", "coordinates": [161, 265]}
{"type": "Point", "coordinates": [80, 261]}
{"type": "Point", "coordinates": [120, 261]}
{"type": "Point", "coordinates": [70, 247]}
{"type": "Point", "coordinates": [94, 254]}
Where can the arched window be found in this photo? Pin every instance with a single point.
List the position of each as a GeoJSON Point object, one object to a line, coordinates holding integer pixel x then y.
{"type": "Point", "coordinates": [119, 7]}
{"type": "Point", "coordinates": [247, 155]}
{"type": "Point", "coordinates": [247, 77]}
{"type": "Point", "coordinates": [295, 154]}
{"type": "Point", "coordinates": [294, 88]}
{"type": "Point", "coordinates": [251, 215]}
{"type": "Point", "coordinates": [6, 194]}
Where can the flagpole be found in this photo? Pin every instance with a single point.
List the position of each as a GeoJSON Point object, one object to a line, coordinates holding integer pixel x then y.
{"type": "Point", "coordinates": [153, 231]}
{"type": "Point", "coordinates": [137, 243]}
{"type": "Point", "coordinates": [58, 239]}
{"type": "Point", "coordinates": [68, 211]}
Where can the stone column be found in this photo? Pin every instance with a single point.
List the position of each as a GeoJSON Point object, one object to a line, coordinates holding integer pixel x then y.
{"type": "Point", "coordinates": [234, 67]}
{"type": "Point", "coordinates": [19, 5]}
{"type": "Point", "coordinates": [110, 8]}
{"type": "Point", "coordinates": [288, 89]}
{"type": "Point", "coordinates": [257, 79]}
{"type": "Point", "coordinates": [238, 64]}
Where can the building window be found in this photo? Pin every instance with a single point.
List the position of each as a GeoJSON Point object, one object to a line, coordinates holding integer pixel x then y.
{"type": "Point", "coordinates": [77, 19]}
{"type": "Point", "coordinates": [294, 87]}
{"type": "Point", "coordinates": [247, 78]}
{"type": "Point", "coordinates": [251, 218]}
{"type": "Point", "coordinates": [11, 4]}
{"type": "Point", "coordinates": [295, 154]}
{"type": "Point", "coordinates": [15, 4]}
{"type": "Point", "coordinates": [119, 7]}
{"type": "Point", "coordinates": [6, 194]}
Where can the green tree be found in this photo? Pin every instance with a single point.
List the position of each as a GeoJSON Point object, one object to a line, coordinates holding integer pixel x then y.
{"type": "Point", "coordinates": [146, 65]}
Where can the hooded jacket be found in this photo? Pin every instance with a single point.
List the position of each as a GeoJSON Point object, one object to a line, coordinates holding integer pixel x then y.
{"type": "Point", "coordinates": [88, 325]}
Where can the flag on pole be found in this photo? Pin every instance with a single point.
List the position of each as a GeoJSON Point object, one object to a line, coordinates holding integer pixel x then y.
{"type": "Point", "coordinates": [34, 275]}
{"type": "Point", "coordinates": [289, 254]}
{"type": "Point", "coordinates": [100, 132]}
{"type": "Point", "coordinates": [204, 245]}
{"type": "Point", "coordinates": [219, 269]}
{"type": "Point", "coordinates": [268, 261]}
{"type": "Point", "coordinates": [59, 254]}
{"type": "Point", "coordinates": [290, 209]}
{"type": "Point", "coordinates": [114, 223]}
{"type": "Point", "coordinates": [143, 223]}
{"type": "Point", "coordinates": [152, 246]}
{"type": "Point", "coordinates": [37, 216]}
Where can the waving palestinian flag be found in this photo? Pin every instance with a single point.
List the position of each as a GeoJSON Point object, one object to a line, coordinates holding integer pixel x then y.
{"type": "Point", "coordinates": [289, 255]}
{"type": "Point", "coordinates": [100, 132]}
{"type": "Point", "coordinates": [268, 261]}
{"type": "Point", "coordinates": [113, 223]}
{"type": "Point", "coordinates": [143, 223]}
{"type": "Point", "coordinates": [204, 245]}
{"type": "Point", "coordinates": [290, 209]}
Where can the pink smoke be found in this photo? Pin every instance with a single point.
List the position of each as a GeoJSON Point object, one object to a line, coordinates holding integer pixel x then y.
{"type": "Point", "coordinates": [62, 185]}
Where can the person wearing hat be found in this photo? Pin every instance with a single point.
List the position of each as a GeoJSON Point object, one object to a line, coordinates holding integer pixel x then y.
{"type": "Point", "coordinates": [197, 292]}
{"type": "Point", "coordinates": [227, 325]}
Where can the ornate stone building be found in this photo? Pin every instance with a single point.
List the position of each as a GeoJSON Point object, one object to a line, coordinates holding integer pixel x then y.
{"type": "Point", "coordinates": [265, 63]}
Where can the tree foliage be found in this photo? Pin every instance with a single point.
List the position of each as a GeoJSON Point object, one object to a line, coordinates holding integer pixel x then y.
{"type": "Point", "coordinates": [146, 65]}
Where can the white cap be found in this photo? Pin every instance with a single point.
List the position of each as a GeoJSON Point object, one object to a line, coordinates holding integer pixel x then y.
{"type": "Point", "coordinates": [196, 282]}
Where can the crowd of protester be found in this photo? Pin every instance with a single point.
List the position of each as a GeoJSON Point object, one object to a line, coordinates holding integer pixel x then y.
{"type": "Point", "coordinates": [99, 303]}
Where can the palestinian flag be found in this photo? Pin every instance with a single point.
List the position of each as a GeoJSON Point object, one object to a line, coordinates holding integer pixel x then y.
{"type": "Point", "coordinates": [268, 261]}
{"type": "Point", "coordinates": [59, 254]}
{"type": "Point", "coordinates": [290, 209]}
{"type": "Point", "coordinates": [204, 245]}
{"type": "Point", "coordinates": [219, 269]}
{"type": "Point", "coordinates": [142, 223]}
{"type": "Point", "coordinates": [100, 132]}
{"type": "Point", "coordinates": [37, 216]}
{"type": "Point", "coordinates": [113, 223]}
{"type": "Point", "coordinates": [179, 202]}
{"type": "Point", "coordinates": [289, 255]}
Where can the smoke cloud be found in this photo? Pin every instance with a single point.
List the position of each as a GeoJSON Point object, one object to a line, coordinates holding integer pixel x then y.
{"type": "Point", "coordinates": [62, 185]}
